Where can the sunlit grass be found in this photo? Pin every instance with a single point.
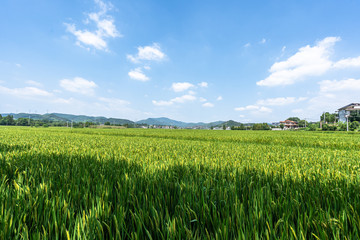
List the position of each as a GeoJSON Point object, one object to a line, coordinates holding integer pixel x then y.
{"type": "Point", "coordinates": [178, 184]}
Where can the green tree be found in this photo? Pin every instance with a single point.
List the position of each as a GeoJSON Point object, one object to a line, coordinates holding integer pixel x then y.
{"type": "Point", "coordinates": [354, 116]}
{"type": "Point", "coordinates": [354, 125]}
{"type": "Point", "coordinates": [329, 117]}
{"type": "Point", "coordinates": [22, 122]}
{"type": "Point", "coordinates": [282, 126]}
{"type": "Point", "coordinates": [312, 127]}
{"type": "Point", "coordinates": [295, 119]}
{"type": "Point", "coordinates": [224, 127]}
{"type": "Point", "coordinates": [107, 123]}
{"type": "Point", "coordinates": [9, 120]}
{"type": "Point", "coordinates": [303, 123]}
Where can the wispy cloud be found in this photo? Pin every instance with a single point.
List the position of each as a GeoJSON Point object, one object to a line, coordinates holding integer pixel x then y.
{"type": "Point", "coordinates": [328, 86]}
{"type": "Point", "coordinates": [280, 101]}
{"type": "Point", "coordinates": [34, 83]}
{"type": "Point", "coordinates": [105, 28]}
{"type": "Point", "coordinates": [208, 105]}
{"type": "Point", "coordinates": [147, 53]}
{"type": "Point", "coordinates": [182, 99]}
{"type": "Point", "coordinates": [219, 98]}
{"type": "Point", "coordinates": [181, 86]}
{"type": "Point", "coordinates": [137, 74]}
{"type": "Point", "coordinates": [78, 85]}
{"type": "Point", "coordinates": [348, 62]}
{"type": "Point", "coordinates": [203, 84]}
{"type": "Point", "coordinates": [25, 92]}
{"type": "Point", "coordinates": [254, 108]}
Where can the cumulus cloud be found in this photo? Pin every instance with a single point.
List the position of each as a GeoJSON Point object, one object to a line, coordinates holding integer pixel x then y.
{"type": "Point", "coordinates": [78, 85]}
{"type": "Point", "coordinates": [181, 86]}
{"type": "Point", "coordinates": [208, 104]}
{"type": "Point", "coordinates": [105, 28]}
{"type": "Point", "coordinates": [201, 99]}
{"type": "Point", "coordinates": [25, 92]}
{"type": "Point", "coordinates": [147, 53]}
{"type": "Point", "coordinates": [254, 108]}
{"type": "Point", "coordinates": [182, 99]}
{"type": "Point", "coordinates": [137, 74]}
{"type": "Point", "coordinates": [219, 98]}
{"type": "Point", "coordinates": [280, 101]}
{"type": "Point", "coordinates": [308, 61]}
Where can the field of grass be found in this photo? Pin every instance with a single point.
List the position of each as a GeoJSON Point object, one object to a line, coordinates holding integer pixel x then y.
{"type": "Point", "coordinates": [178, 184]}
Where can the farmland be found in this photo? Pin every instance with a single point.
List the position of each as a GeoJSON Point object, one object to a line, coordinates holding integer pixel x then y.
{"type": "Point", "coordinates": [178, 184]}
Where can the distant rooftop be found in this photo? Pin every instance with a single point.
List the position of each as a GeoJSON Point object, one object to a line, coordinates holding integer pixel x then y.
{"type": "Point", "coordinates": [351, 107]}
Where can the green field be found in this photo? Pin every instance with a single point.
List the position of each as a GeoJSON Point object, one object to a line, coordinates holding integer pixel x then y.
{"type": "Point", "coordinates": [178, 184]}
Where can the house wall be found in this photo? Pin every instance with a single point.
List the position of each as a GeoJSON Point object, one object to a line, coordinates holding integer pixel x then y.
{"type": "Point", "coordinates": [342, 114]}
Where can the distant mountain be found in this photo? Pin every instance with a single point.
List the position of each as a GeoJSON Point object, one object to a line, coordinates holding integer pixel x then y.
{"type": "Point", "coordinates": [162, 121]}
{"type": "Point", "coordinates": [69, 117]}
{"type": "Point", "coordinates": [231, 123]}
{"type": "Point", "coordinates": [169, 122]}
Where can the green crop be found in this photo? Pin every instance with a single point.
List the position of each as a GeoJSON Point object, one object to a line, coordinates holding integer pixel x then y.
{"type": "Point", "coordinates": [178, 184]}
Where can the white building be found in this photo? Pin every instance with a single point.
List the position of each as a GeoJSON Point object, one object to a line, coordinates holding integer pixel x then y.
{"type": "Point", "coordinates": [344, 111]}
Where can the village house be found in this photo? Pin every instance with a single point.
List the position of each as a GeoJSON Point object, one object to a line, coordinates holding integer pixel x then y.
{"type": "Point", "coordinates": [346, 111]}
{"type": "Point", "coordinates": [289, 124]}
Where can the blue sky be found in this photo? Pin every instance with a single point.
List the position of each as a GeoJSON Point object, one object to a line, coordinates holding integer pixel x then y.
{"type": "Point", "coordinates": [250, 61]}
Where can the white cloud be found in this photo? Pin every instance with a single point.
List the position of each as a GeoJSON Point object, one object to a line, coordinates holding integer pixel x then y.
{"type": "Point", "coordinates": [182, 99]}
{"type": "Point", "coordinates": [34, 83]}
{"type": "Point", "coordinates": [247, 45]}
{"type": "Point", "coordinates": [298, 111]}
{"type": "Point", "coordinates": [280, 101]}
{"type": "Point", "coordinates": [203, 84]}
{"type": "Point", "coordinates": [25, 92]}
{"type": "Point", "coordinates": [201, 99]}
{"type": "Point", "coordinates": [208, 104]}
{"type": "Point", "coordinates": [328, 86]}
{"type": "Point", "coordinates": [64, 101]}
{"type": "Point", "coordinates": [283, 49]}
{"type": "Point", "coordinates": [18, 65]}
{"type": "Point", "coordinates": [162, 103]}
{"type": "Point", "coordinates": [219, 98]}
{"type": "Point", "coordinates": [308, 61]}
{"type": "Point", "coordinates": [86, 37]}
{"type": "Point", "coordinates": [254, 108]}
{"type": "Point", "coordinates": [137, 74]}
{"type": "Point", "coordinates": [78, 85]}
{"type": "Point", "coordinates": [263, 41]}
{"type": "Point", "coordinates": [181, 86]}
{"type": "Point", "coordinates": [114, 102]}
{"type": "Point", "coordinates": [148, 53]}
{"type": "Point", "coordinates": [348, 62]}
{"type": "Point", "coordinates": [147, 67]}
{"type": "Point", "coordinates": [105, 28]}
